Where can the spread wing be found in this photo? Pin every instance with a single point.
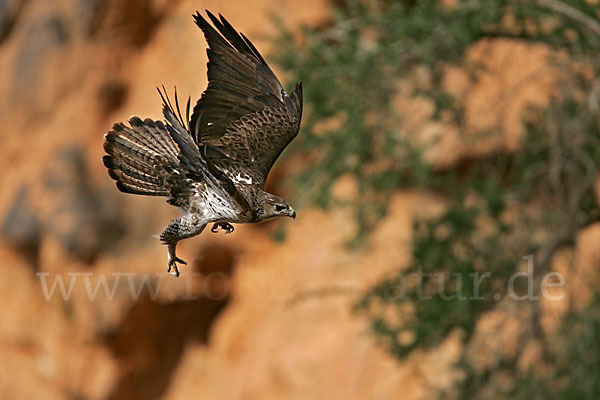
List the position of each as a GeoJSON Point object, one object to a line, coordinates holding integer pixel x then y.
{"type": "Point", "coordinates": [244, 119]}
{"type": "Point", "coordinates": [194, 167]}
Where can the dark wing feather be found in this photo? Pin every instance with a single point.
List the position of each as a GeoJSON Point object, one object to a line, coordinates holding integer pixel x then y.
{"type": "Point", "coordinates": [244, 119]}
{"type": "Point", "coordinates": [189, 156]}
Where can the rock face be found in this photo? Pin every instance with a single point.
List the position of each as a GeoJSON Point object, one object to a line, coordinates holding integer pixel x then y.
{"type": "Point", "coordinates": [88, 309]}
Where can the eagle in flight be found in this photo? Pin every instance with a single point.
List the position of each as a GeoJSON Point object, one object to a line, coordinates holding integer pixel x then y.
{"type": "Point", "coordinates": [214, 164]}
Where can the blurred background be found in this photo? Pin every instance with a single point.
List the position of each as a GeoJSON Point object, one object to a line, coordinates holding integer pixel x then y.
{"type": "Point", "coordinates": [448, 147]}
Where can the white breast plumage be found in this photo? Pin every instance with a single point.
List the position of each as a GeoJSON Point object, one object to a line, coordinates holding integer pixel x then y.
{"type": "Point", "coordinates": [215, 204]}
{"type": "Point", "coordinates": [238, 178]}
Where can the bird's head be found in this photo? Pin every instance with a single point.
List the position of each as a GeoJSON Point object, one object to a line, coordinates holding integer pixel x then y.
{"type": "Point", "coordinates": [274, 206]}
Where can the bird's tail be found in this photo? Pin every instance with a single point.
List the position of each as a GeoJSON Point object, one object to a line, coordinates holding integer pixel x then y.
{"type": "Point", "coordinates": [142, 157]}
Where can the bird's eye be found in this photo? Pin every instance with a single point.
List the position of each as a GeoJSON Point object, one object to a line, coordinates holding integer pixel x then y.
{"type": "Point", "coordinates": [280, 208]}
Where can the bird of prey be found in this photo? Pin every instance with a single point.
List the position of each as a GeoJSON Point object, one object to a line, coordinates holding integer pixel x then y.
{"type": "Point", "coordinates": [213, 164]}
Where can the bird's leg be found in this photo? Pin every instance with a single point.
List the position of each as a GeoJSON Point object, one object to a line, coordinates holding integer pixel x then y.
{"type": "Point", "coordinates": [228, 227]}
{"type": "Point", "coordinates": [173, 259]}
{"type": "Point", "coordinates": [223, 225]}
{"type": "Point", "coordinates": [180, 228]}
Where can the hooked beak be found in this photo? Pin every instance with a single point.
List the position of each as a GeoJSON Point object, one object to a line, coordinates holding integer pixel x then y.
{"type": "Point", "coordinates": [293, 214]}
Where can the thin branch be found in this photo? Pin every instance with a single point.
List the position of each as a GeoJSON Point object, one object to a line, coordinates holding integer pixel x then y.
{"type": "Point", "coordinates": [572, 13]}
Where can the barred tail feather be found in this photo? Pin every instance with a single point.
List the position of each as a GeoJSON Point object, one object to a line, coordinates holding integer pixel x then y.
{"type": "Point", "coordinates": [141, 157]}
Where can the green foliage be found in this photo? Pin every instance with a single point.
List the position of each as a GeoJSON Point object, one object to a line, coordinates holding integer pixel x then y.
{"type": "Point", "coordinates": [500, 207]}
{"type": "Point", "coordinates": [351, 72]}
{"type": "Point", "coordinates": [581, 358]}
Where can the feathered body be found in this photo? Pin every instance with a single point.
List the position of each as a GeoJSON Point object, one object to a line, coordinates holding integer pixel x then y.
{"type": "Point", "coordinates": [213, 164]}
